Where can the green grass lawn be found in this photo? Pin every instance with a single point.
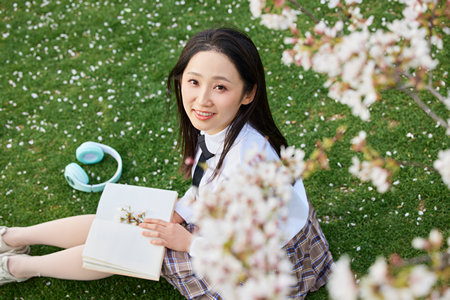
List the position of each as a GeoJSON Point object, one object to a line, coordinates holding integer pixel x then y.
{"type": "Point", "coordinates": [73, 71]}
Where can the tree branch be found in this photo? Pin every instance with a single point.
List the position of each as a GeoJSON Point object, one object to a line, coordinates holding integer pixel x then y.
{"type": "Point", "coordinates": [424, 259]}
{"type": "Point", "coordinates": [417, 164]}
{"type": "Point", "coordinates": [304, 10]}
{"type": "Point", "coordinates": [435, 93]}
{"type": "Point", "coordinates": [426, 109]}
{"type": "Point", "coordinates": [428, 87]}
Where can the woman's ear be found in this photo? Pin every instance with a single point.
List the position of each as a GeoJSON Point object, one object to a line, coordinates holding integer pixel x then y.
{"type": "Point", "coordinates": [248, 98]}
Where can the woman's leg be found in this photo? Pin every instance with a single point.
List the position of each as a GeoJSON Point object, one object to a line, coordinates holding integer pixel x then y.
{"type": "Point", "coordinates": [65, 264]}
{"type": "Point", "coordinates": [69, 233]}
{"type": "Point", "coordinates": [65, 233]}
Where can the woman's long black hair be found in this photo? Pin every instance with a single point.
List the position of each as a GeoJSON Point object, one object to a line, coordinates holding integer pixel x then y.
{"type": "Point", "coordinates": [245, 57]}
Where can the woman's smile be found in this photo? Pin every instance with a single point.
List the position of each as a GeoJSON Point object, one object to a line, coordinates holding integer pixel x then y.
{"type": "Point", "coordinates": [203, 115]}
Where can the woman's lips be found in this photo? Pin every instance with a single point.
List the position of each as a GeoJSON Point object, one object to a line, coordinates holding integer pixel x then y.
{"type": "Point", "coordinates": [203, 115]}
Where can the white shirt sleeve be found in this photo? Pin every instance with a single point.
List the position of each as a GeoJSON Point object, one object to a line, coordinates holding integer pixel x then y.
{"type": "Point", "coordinates": [184, 207]}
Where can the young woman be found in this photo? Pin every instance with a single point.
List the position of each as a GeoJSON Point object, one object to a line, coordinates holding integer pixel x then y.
{"type": "Point", "coordinates": [220, 90]}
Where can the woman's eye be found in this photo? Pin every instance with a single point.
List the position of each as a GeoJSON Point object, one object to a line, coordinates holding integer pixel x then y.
{"type": "Point", "coordinates": [221, 87]}
{"type": "Point", "coordinates": [193, 81]}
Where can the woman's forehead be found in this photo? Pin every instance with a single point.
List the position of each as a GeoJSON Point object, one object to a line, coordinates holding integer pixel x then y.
{"type": "Point", "coordinates": [212, 65]}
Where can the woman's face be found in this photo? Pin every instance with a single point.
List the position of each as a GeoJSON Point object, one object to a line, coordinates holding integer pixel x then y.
{"type": "Point", "coordinates": [212, 91]}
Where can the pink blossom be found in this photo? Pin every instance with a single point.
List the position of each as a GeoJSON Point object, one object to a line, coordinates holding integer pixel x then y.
{"type": "Point", "coordinates": [287, 58]}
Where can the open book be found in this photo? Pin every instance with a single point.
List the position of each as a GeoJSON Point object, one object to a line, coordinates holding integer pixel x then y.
{"type": "Point", "coordinates": [115, 243]}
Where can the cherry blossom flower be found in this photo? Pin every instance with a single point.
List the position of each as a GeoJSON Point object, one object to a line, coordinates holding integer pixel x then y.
{"type": "Point", "coordinates": [395, 281]}
{"type": "Point", "coordinates": [333, 3]}
{"type": "Point", "coordinates": [280, 22]}
{"type": "Point", "coordinates": [443, 165]}
{"type": "Point", "coordinates": [421, 280]}
{"type": "Point", "coordinates": [256, 6]}
{"type": "Point", "coordinates": [367, 171]}
{"type": "Point", "coordinates": [361, 138]}
{"type": "Point", "coordinates": [436, 238]}
{"type": "Point", "coordinates": [419, 243]}
{"type": "Point", "coordinates": [342, 285]}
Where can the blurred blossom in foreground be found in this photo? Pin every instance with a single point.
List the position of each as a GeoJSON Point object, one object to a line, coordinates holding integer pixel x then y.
{"type": "Point", "coordinates": [401, 280]}
{"type": "Point", "coordinates": [341, 284]}
{"type": "Point", "coordinates": [443, 166]}
{"type": "Point", "coordinates": [241, 252]}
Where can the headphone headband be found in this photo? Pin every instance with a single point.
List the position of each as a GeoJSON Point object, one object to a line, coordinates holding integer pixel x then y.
{"type": "Point", "coordinates": [91, 152]}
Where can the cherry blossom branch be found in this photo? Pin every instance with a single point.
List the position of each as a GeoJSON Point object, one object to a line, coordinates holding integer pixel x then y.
{"type": "Point", "coordinates": [416, 164]}
{"type": "Point", "coordinates": [304, 10]}
{"type": "Point", "coordinates": [424, 259]}
{"type": "Point", "coordinates": [423, 277]}
{"type": "Point", "coordinates": [362, 63]}
{"type": "Point", "coordinates": [435, 93]}
{"type": "Point", "coordinates": [428, 87]}
{"type": "Point", "coordinates": [425, 108]}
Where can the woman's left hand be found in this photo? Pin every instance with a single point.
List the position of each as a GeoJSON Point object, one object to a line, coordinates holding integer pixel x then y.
{"type": "Point", "coordinates": [167, 234]}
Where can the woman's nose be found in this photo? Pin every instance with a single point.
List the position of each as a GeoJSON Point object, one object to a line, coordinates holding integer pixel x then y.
{"type": "Point", "coordinates": [204, 97]}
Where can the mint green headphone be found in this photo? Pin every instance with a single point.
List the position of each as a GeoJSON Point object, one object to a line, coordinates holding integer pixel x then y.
{"type": "Point", "coordinates": [90, 153]}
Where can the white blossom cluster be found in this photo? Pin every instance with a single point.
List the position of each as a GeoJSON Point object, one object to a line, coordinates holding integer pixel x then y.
{"type": "Point", "coordinates": [369, 170]}
{"type": "Point", "coordinates": [434, 241]}
{"type": "Point", "coordinates": [366, 171]}
{"type": "Point", "coordinates": [361, 61]}
{"type": "Point", "coordinates": [414, 282]}
{"type": "Point", "coordinates": [256, 7]}
{"type": "Point", "coordinates": [239, 225]}
{"type": "Point", "coordinates": [281, 21]}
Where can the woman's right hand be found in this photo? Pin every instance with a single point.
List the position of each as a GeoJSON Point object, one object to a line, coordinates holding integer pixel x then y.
{"type": "Point", "coordinates": [176, 218]}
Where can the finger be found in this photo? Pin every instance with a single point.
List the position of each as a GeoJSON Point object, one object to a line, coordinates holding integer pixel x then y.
{"type": "Point", "coordinates": [158, 242]}
{"type": "Point", "coordinates": [155, 221]}
{"type": "Point", "coordinates": [154, 234]}
{"type": "Point", "coordinates": [155, 227]}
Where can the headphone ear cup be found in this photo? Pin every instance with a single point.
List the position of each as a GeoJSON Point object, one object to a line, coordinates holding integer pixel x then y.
{"type": "Point", "coordinates": [88, 153]}
{"type": "Point", "coordinates": [74, 173]}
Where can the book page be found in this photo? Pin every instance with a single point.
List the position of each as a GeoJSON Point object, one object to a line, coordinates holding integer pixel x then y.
{"type": "Point", "coordinates": [117, 247]}
{"type": "Point", "coordinates": [153, 201]}
{"type": "Point", "coordinates": [123, 246]}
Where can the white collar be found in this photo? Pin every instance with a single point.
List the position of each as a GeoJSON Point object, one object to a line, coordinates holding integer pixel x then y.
{"type": "Point", "coordinates": [215, 142]}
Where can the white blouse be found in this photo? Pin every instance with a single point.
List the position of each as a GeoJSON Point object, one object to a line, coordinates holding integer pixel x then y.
{"type": "Point", "coordinates": [247, 140]}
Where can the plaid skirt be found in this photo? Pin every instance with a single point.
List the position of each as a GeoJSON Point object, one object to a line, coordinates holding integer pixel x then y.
{"type": "Point", "coordinates": [307, 251]}
{"type": "Point", "coordinates": [309, 254]}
